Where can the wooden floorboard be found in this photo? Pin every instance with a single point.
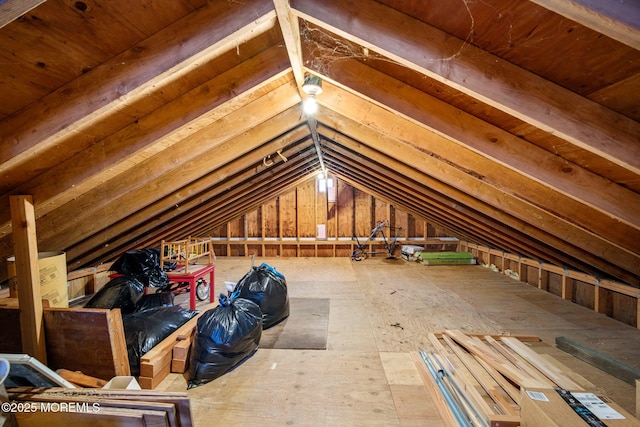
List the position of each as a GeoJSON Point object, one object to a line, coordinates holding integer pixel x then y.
{"type": "Point", "coordinates": [380, 311]}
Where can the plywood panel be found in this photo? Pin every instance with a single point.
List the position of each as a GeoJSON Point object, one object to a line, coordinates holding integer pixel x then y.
{"type": "Point", "coordinates": [401, 220]}
{"type": "Point", "coordinates": [624, 308]}
{"type": "Point", "coordinates": [324, 251]}
{"type": "Point", "coordinates": [345, 210]}
{"type": "Point", "coordinates": [254, 223]}
{"type": "Point", "coordinates": [307, 209]}
{"type": "Point", "coordinates": [322, 211]}
{"type": "Point", "coordinates": [254, 250]}
{"type": "Point", "coordinates": [287, 211]}
{"type": "Point", "coordinates": [272, 250]}
{"type": "Point", "coordinates": [381, 211]}
{"type": "Point", "coordinates": [555, 284]}
{"type": "Point", "coordinates": [416, 227]}
{"type": "Point", "coordinates": [270, 218]}
{"type": "Point", "coordinates": [89, 340]}
{"type": "Point", "coordinates": [236, 228]}
{"type": "Point", "coordinates": [584, 294]}
{"type": "Point", "coordinates": [362, 212]}
{"type": "Point", "coordinates": [219, 231]}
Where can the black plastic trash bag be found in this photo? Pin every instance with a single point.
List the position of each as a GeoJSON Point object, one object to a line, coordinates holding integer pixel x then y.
{"type": "Point", "coordinates": [159, 299]}
{"type": "Point", "coordinates": [268, 288]}
{"type": "Point", "coordinates": [144, 265]}
{"type": "Point", "coordinates": [226, 336]}
{"type": "Point", "coordinates": [123, 292]}
{"type": "Point", "coordinates": [145, 329]}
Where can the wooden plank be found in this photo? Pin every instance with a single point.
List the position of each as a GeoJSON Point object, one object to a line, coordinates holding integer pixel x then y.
{"type": "Point", "coordinates": [637, 398]}
{"type": "Point", "coordinates": [180, 400]}
{"type": "Point", "coordinates": [519, 363]}
{"type": "Point", "coordinates": [487, 379]}
{"type": "Point", "coordinates": [492, 359]}
{"type": "Point", "coordinates": [533, 100]}
{"type": "Point", "coordinates": [156, 364]}
{"type": "Point", "coordinates": [80, 379]}
{"type": "Point", "coordinates": [617, 20]}
{"type": "Point", "coordinates": [90, 340]}
{"type": "Point", "coordinates": [118, 342]}
{"type": "Point", "coordinates": [150, 383]}
{"type": "Point", "coordinates": [443, 409]}
{"type": "Point", "coordinates": [181, 349]}
{"type": "Point", "coordinates": [179, 366]}
{"type": "Point", "coordinates": [103, 418]}
{"type": "Point", "coordinates": [601, 361]}
{"type": "Point", "coordinates": [13, 9]}
{"type": "Point", "coordinates": [153, 367]}
{"type": "Point", "coordinates": [584, 383]}
{"type": "Point", "coordinates": [550, 371]}
{"type": "Point", "coordinates": [28, 276]}
{"type": "Point", "coordinates": [463, 378]}
{"type": "Point", "coordinates": [465, 402]}
{"type": "Point", "coordinates": [155, 413]}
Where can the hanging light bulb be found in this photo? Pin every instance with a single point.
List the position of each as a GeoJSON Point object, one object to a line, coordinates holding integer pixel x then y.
{"type": "Point", "coordinates": [312, 86]}
{"type": "Point", "coordinates": [310, 105]}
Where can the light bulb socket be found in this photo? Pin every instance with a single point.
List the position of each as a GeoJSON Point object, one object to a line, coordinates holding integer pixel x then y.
{"type": "Point", "coordinates": [312, 85]}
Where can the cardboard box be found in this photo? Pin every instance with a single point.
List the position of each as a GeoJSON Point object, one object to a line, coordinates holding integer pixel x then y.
{"type": "Point", "coordinates": [545, 407]}
{"type": "Point", "coordinates": [53, 278]}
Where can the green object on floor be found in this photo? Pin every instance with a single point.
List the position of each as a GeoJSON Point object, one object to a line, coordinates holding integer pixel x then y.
{"type": "Point", "coordinates": [447, 258]}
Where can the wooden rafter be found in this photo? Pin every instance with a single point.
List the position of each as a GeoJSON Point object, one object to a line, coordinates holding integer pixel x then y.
{"type": "Point", "coordinates": [69, 111]}
{"type": "Point", "coordinates": [11, 10]}
{"type": "Point", "coordinates": [481, 75]}
{"type": "Point", "coordinates": [618, 20]}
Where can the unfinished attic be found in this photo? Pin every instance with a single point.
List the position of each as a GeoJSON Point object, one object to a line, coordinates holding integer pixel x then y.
{"type": "Point", "coordinates": [463, 197]}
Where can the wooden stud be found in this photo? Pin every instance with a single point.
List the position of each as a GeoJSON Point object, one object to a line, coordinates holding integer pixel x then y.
{"type": "Point", "coordinates": [637, 398]}
{"type": "Point", "coordinates": [28, 276]}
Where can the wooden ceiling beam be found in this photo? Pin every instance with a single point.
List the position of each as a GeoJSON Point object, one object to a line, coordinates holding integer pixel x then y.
{"type": "Point", "coordinates": [253, 199]}
{"type": "Point", "coordinates": [498, 229]}
{"type": "Point", "coordinates": [457, 225]}
{"type": "Point", "coordinates": [94, 96]}
{"type": "Point", "coordinates": [290, 28]}
{"type": "Point", "coordinates": [252, 186]}
{"type": "Point", "coordinates": [165, 129]}
{"type": "Point", "coordinates": [400, 190]}
{"type": "Point", "coordinates": [10, 10]}
{"type": "Point", "coordinates": [481, 75]}
{"type": "Point", "coordinates": [473, 173]}
{"type": "Point", "coordinates": [439, 201]}
{"type": "Point", "coordinates": [509, 151]}
{"type": "Point", "coordinates": [619, 20]}
{"type": "Point", "coordinates": [175, 173]}
{"type": "Point", "coordinates": [171, 222]}
{"type": "Point", "coordinates": [353, 114]}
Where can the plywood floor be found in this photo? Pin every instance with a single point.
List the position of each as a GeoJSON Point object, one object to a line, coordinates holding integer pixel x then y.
{"type": "Point", "coordinates": [380, 310]}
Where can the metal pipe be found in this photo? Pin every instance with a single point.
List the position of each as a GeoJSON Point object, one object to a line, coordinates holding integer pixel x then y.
{"type": "Point", "coordinates": [316, 142]}
{"type": "Point", "coordinates": [455, 409]}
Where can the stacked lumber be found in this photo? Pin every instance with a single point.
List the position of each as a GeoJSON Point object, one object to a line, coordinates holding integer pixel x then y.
{"type": "Point", "coordinates": [96, 407]}
{"type": "Point", "coordinates": [479, 380]}
{"type": "Point", "coordinates": [170, 355]}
